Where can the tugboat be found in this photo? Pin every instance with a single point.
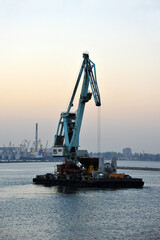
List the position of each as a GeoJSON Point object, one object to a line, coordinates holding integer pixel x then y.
{"type": "Point", "coordinates": [79, 169]}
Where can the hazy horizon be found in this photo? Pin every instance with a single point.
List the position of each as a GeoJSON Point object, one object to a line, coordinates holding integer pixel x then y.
{"type": "Point", "coordinates": [41, 46]}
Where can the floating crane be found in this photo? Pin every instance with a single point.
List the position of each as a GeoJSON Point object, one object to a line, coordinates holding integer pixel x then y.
{"type": "Point", "coordinates": [66, 140]}
{"type": "Point", "coordinates": [80, 170]}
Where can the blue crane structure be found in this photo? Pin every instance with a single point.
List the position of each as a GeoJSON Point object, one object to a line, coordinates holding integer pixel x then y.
{"type": "Point", "coordinates": [80, 170]}
{"type": "Point", "coordinates": [66, 141]}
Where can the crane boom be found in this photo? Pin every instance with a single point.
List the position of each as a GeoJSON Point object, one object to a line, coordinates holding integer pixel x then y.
{"type": "Point", "coordinates": [66, 140]}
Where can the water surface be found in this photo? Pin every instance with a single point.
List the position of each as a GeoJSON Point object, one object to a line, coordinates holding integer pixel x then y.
{"type": "Point", "coordinates": [29, 211]}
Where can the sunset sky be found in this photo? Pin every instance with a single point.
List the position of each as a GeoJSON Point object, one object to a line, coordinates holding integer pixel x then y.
{"type": "Point", "coordinates": [41, 46]}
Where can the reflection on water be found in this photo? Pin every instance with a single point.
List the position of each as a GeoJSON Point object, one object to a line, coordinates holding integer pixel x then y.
{"type": "Point", "coordinates": [66, 189]}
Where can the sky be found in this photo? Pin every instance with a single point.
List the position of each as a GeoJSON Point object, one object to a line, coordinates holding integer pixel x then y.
{"type": "Point", "coordinates": [41, 47]}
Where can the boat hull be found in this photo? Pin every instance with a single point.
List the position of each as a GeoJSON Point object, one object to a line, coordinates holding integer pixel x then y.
{"type": "Point", "coordinates": [101, 183]}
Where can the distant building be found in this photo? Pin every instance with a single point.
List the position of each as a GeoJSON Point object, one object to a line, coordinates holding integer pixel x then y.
{"type": "Point", "coordinates": [127, 153]}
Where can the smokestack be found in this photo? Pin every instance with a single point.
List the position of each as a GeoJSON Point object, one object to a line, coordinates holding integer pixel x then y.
{"type": "Point", "coordinates": [36, 138]}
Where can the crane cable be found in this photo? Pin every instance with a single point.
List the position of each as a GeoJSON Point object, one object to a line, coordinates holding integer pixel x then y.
{"type": "Point", "coordinates": [99, 131]}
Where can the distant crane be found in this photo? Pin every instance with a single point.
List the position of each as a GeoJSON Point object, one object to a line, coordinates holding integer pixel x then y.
{"type": "Point", "coordinates": [24, 147]}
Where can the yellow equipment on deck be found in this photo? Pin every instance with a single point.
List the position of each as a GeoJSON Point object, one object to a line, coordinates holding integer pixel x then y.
{"type": "Point", "coordinates": [116, 175]}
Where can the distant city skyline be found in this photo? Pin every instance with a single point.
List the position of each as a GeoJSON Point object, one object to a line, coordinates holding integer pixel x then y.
{"type": "Point", "coordinates": [41, 47]}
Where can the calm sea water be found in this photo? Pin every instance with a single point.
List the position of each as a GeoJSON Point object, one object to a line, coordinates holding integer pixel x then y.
{"type": "Point", "coordinates": [29, 211]}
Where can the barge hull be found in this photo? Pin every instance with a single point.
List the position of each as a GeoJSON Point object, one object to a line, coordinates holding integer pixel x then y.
{"type": "Point", "coordinates": [107, 183]}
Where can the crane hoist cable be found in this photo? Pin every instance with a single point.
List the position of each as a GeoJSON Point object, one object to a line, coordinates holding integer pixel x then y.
{"type": "Point", "coordinates": [99, 131]}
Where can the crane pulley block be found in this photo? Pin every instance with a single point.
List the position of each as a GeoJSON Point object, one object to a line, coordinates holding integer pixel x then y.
{"type": "Point", "coordinates": [85, 99]}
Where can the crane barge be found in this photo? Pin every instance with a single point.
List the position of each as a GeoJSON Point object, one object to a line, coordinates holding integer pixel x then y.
{"type": "Point", "coordinates": [79, 169]}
